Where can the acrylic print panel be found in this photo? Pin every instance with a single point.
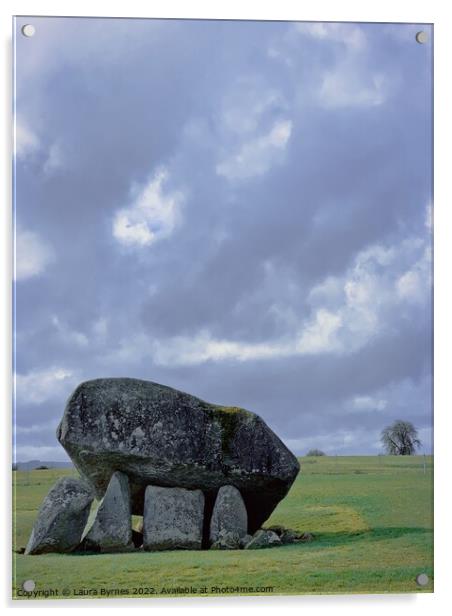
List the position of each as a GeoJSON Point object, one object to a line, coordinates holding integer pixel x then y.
{"type": "Point", "coordinates": [240, 211]}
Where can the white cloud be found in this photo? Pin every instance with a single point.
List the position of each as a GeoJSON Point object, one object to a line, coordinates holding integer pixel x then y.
{"type": "Point", "coordinates": [344, 86]}
{"type": "Point", "coordinates": [319, 335]}
{"type": "Point", "coordinates": [253, 130]}
{"type": "Point", "coordinates": [368, 403]}
{"type": "Point", "coordinates": [183, 350]}
{"type": "Point", "coordinates": [278, 54]}
{"type": "Point", "coordinates": [257, 155]}
{"type": "Point", "coordinates": [39, 386]}
{"type": "Point", "coordinates": [70, 336]}
{"type": "Point", "coordinates": [244, 108]}
{"type": "Point", "coordinates": [376, 254]}
{"type": "Point", "coordinates": [409, 285]}
{"type": "Point", "coordinates": [347, 312]}
{"type": "Point", "coordinates": [100, 328]}
{"type": "Point", "coordinates": [26, 143]}
{"type": "Point", "coordinates": [25, 140]}
{"type": "Point", "coordinates": [316, 336]}
{"type": "Point", "coordinates": [412, 284]}
{"type": "Point", "coordinates": [354, 299]}
{"type": "Point", "coordinates": [368, 288]}
{"type": "Point", "coordinates": [32, 255]}
{"type": "Point", "coordinates": [350, 79]}
{"type": "Point", "coordinates": [152, 216]}
{"type": "Point", "coordinates": [350, 35]}
{"type": "Point", "coordinates": [54, 159]}
{"type": "Point", "coordinates": [329, 291]}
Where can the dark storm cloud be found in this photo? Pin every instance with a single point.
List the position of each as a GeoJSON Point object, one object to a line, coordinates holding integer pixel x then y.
{"type": "Point", "coordinates": [333, 143]}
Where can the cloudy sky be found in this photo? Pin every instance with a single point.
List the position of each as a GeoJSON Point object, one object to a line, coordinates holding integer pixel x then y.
{"type": "Point", "coordinates": [240, 210]}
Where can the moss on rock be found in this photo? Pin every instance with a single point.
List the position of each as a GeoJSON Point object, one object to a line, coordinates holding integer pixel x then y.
{"type": "Point", "coordinates": [229, 418]}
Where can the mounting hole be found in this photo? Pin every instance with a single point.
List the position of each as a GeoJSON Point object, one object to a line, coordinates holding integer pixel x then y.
{"type": "Point", "coordinates": [422, 579]}
{"type": "Point", "coordinates": [422, 37]}
{"type": "Point", "coordinates": [29, 585]}
{"type": "Point", "coordinates": [28, 30]}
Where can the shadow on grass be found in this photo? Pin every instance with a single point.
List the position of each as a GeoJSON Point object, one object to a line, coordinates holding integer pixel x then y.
{"type": "Point", "coordinates": [373, 534]}
{"type": "Point", "coordinates": [320, 540]}
{"type": "Point", "coordinates": [331, 539]}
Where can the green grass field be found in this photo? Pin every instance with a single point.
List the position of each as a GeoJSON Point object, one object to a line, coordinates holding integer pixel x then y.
{"type": "Point", "coordinates": [372, 518]}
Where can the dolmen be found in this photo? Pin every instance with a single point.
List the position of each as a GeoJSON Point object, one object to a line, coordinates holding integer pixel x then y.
{"type": "Point", "coordinates": [201, 475]}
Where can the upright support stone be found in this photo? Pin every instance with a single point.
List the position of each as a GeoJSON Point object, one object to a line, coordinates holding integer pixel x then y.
{"type": "Point", "coordinates": [112, 527]}
{"type": "Point", "coordinates": [229, 514]}
{"type": "Point", "coordinates": [172, 518]}
{"type": "Point", "coordinates": [62, 517]}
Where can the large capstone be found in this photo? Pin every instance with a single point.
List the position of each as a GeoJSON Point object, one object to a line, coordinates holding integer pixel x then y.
{"type": "Point", "coordinates": [229, 514]}
{"type": "Point", "coordinates": [62, 517]}
{"type": "Point", "coordinates": [172, 519]}
{"type": "Point", "coordinates": [111, 530]}
{"type": "Point", "coordinates": [157, 435]}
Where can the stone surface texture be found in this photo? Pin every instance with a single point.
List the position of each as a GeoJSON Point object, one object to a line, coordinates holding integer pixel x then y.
{"type": "Point", "coordinates": [227, 540]}
{"type": "Point", "coordinates": [245, 540]}
{"type": "Point", "coordinates": [62, 517]}
{"type": "Point", "coordinates": [112, 527]}
{"type": "Point", "coordinates": [229, 514]}
{"type": "Point", "coordinates": [160, 436]}
{"type": "Point", "coordinates": [172, 519]}
{"type": "Point", "coordinates": [287, 535]}
{"type": "Point", "coordinates": [263, 539]}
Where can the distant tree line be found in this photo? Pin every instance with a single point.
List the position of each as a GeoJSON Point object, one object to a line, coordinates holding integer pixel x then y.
{"type": "Point", "coordinates": [42, 467]}
{"type": "Point", "coordinates": [316, 452]}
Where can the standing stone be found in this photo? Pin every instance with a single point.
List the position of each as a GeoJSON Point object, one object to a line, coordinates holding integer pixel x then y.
{"type": "Point", "coordinates": [229, 514]}
{"type": "Point", "coordinates": [172, 518]}
{"type": "Point", "coordinates": [62, 517]}
{"type": "Point", "coordinates": [157, 435]}
{"type": "Point", "coordinates": [112, 527]}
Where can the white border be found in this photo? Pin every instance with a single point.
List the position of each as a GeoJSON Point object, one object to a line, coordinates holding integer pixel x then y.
{"type": "Point", "coordinates": [425, 11]}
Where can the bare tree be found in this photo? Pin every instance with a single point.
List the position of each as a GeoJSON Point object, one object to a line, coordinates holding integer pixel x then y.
{"type": "Point", "coordinates": [400, 438]}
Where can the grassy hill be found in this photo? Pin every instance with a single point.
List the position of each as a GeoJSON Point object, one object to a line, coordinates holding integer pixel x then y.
{"type": "Point", "coordinates": [372, 518]}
